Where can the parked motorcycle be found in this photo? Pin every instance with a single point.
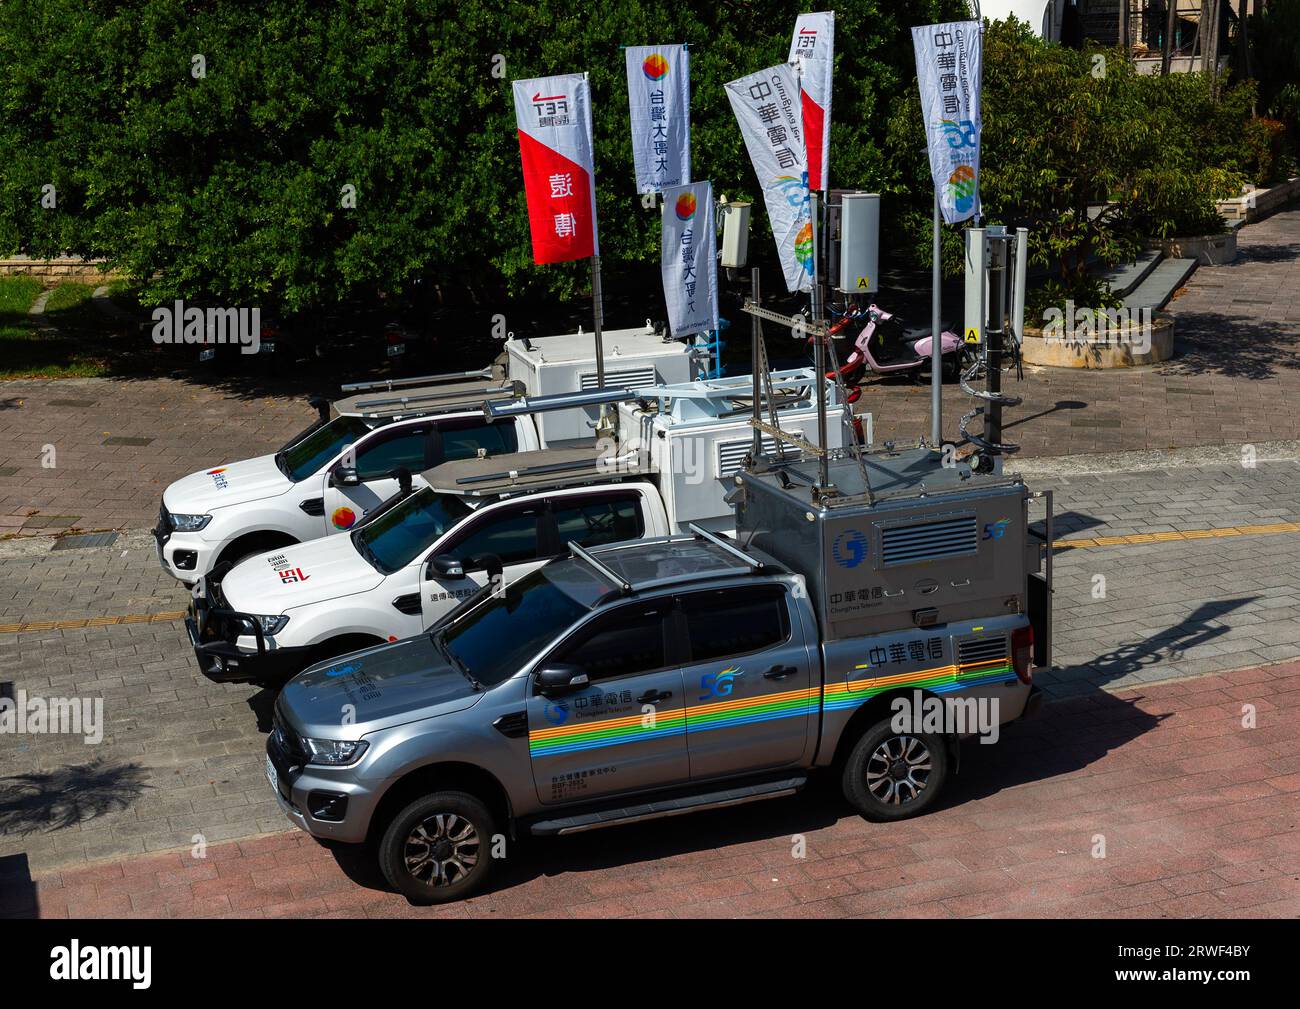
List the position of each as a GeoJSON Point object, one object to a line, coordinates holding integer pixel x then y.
{"type": "Point", "coordinates": [885, 348]}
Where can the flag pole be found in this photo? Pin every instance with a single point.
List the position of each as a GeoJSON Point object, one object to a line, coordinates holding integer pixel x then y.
{"type": "Point", "coordinates": [598, 318]}
{"type": "Point", "coordinates": [936, 356]}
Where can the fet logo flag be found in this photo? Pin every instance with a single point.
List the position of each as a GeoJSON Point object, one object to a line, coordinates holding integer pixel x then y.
{"type": "Point", "coordinates": [553, 116]}
{"type": "Point", "coordinates": [659, 103]}
{"type": "Point", "coordinates": [813, 51]}
{"type": "Point", "coordinates": [949, 60]}
{"type": "Point", "coordinates": [766, 105]}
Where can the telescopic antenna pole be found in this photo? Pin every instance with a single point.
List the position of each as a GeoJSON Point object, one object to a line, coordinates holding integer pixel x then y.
{"type": "Point", "coordinates": [756, 447]}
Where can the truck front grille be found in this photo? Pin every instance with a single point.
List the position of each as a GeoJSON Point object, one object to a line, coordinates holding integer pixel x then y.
{"type": "Point", "coordinates": [952, 536]}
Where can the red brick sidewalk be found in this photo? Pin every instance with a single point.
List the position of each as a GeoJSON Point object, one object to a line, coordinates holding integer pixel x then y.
{"type": "Point", "coordinates": [1198, 816]}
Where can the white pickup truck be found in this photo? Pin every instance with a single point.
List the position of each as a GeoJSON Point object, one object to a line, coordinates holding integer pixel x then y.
{"type": "Point", "coordinates": [330, 476]}
{"type": "Point", "coordinates": [416, 558]}
{"type": "Point", "coordinates": [322, 482]}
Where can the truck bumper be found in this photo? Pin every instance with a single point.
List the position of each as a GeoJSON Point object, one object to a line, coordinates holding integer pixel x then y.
{"type": "Point", "coordinates": [215, 633]}
{"type": "Point", "coordinates": [1033, 703]}
{"type": "Point", "coordinates": [314, 800]}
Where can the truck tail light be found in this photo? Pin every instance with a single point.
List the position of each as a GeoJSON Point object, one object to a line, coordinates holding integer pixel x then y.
{"type": "Point", "coordinates": [1022, 653]}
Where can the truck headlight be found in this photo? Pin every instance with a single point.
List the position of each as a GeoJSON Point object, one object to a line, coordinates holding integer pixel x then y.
{"type": "Point", "coordinates": [189, 523]}
{"type": "Point", "coordinates": [270, 623]}
{"type": "Point", "coordinates": [335, 752]}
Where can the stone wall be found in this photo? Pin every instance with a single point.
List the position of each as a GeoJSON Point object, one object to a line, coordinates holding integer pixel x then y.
{"type": "Point", "coordinates": [52, 272]}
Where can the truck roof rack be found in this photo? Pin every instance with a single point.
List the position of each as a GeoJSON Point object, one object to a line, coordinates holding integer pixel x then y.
{"type": "Point", "coordinates": [542, 469]}
{"type": "Point", "coordinates": [622, 584]}
{"type": "Point", "coordinates": [388, 384]}
{"type": "Point", "coordinates": [425, 399]}
{"type": "Point", "coordinates": [685, 560]}
{"type": "Point", "coordinates": [727, 545]}
{"type": "Point", "coordinates": [495, 409]}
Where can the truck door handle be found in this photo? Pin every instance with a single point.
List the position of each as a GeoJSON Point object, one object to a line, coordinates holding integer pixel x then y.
{"type": "Point", "coordinates": [651, 696]}
{"type": "Point", "coordinates": [779, 672]}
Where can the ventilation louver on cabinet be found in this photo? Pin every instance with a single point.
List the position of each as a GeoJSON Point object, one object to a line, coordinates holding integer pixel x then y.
{"type": "Point", "coordinates": [925, 541]}
{"type": "Point", "coordinates": [626, 378]}
{"type": "Point", "coordinates": [732, 453]}
{"type": "Point", "coordinates": [982, 649]}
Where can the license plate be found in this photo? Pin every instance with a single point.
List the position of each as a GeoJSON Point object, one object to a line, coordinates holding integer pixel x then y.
{"type": "Point", "coordinates": [271, 776]}
{"type": "Point", "coordinates": [396, 349]}
{"type": "Point", "coordinates": [207, 355]}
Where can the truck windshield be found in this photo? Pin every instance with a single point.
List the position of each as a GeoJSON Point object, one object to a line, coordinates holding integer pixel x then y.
{"type": "Point", "coordinates": [494, 640]}
{"type": "Point", "coordinates": [302, 459]}
{"type": "Point", "coordinates": [409, 528]}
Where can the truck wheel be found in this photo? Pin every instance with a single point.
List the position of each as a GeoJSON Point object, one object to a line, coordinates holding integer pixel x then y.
{"type": "Point", "coordinates": [893, 775]}
{"type": "Point", "coordinates": [437, 848]}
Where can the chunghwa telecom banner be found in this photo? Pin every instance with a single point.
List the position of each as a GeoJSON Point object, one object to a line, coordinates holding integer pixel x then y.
{"type": "Point", "coordinates": [813, 48]}
{"type": "Point", "coordinates": [767, 107]}
{"type": "Point", "coordinates": [659, 103]}
{"type": "Point", "coordinates": [949, 59]}
{"type": "Point", "coordinates": [553, 115]}
{"type": "Point", "coordinates": [688, 259]}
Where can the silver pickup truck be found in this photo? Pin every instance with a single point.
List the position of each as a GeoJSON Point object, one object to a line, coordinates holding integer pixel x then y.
{"type": "Point", "coordinates": [624, 683]}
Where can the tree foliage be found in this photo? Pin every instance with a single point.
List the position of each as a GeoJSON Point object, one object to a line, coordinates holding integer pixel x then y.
{"type": "Point", "coordinates": [229, 184]}
{"type": "Point", "coordinates": [1086, 153]}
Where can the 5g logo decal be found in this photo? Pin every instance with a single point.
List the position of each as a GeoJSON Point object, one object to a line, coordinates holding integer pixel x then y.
{"type": "Point", "coordinates": [719, 684]}
{"type": "Point", "coordinates": [996, 530]}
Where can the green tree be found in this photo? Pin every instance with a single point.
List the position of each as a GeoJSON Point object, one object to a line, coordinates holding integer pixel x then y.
{"type": "Point", "coordinates": [1077, 147]}
{"type": "Point", "coordinates": [226, 179]}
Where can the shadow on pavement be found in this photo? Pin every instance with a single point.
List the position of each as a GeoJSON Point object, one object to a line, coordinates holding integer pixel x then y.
{"type": "Point", "coordinates": [54, 800]}
{"type": "Point", "coordinates": [1168, 645]}
{"type": "Point", "coordinates": [1068, 737]}
{"type": "Point", "coordinates": [1232, 346]}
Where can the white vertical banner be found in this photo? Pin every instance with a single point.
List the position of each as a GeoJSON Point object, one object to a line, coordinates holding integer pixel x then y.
{"type": "Point", "coordinates": [659, 105]}
{"type": "Point", "coordinates": [688, 259]}
{"type": "Point", "coordinates": [812, 50]}
{"type": "Point", "coordinates": [949, 66]}
{"type": "Point", "coordinates": [553, 120]}
{"type": "Point", "coordinates": [767, 107]}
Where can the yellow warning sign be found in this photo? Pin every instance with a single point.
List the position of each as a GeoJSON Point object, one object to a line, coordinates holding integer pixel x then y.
{"type": "Point", "coordinates": [863, 284]}
{"type": "Point", "coordinates": [972, 335]}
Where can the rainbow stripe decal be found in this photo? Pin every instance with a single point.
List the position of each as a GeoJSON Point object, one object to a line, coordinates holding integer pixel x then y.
{"type": "Point", "coordinates": [940, 680]}
{"type": "Point", "coordinates": [727, 714]}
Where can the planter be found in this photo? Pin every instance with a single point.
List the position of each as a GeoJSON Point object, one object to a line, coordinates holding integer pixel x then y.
{"type": "Point", "coordinates": [1207, 250]}
{"type": "Point", "coordinates": [1258, 203]}
{"type": "Point", "coordinates": [1128, 345]}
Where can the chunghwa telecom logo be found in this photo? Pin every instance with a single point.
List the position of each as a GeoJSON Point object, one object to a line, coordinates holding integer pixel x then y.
{"type": "Point", "coordinates": [803, 246]}
{"type": "Point", "coordinates": [961, 187]}
{"type": "Point", "coordinates": [685, 207]}
{"type": "Point", "coordinates": [655, 67]}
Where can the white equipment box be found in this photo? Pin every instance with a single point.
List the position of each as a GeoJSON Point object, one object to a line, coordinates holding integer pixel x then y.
{"type": "Point", "coordinates": [636, 358]}
{"type": "Point", "coordinates": [695, 437]}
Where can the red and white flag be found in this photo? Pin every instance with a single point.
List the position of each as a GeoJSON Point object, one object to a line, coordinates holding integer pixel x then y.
{"type": "Point", "coordinates": [812, 50]}
{"type": "Point", "coordinates": [553, 116]}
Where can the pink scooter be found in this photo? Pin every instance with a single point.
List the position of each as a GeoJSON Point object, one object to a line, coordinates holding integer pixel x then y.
{"type": "Point", "coordinates": [908, 353]}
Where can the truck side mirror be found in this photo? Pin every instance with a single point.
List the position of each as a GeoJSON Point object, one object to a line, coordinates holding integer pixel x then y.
{"type": "Point", "coordinates": [346, 476]}
{"type": "Point", "coordinates": [490, 564]}
{"type": "Point", "coordinates": [445, 566]}
{"type": "Point", "coordinates": [561, 678]}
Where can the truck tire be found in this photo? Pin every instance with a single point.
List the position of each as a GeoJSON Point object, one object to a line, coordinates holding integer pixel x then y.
{"type": "Point", "coordinates": [893, 776]}
{"type": "Point", "coordinates": [437, 849]}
